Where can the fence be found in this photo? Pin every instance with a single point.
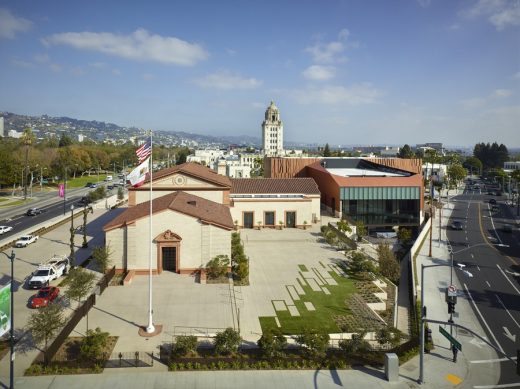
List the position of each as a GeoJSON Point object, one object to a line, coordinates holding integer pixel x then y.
{"type": "Point", "coordinates": [69, 327]}
{"type": "Point", "coordinates": [130, 359]}
{"type": "Point", "coordinates": [105, 281]}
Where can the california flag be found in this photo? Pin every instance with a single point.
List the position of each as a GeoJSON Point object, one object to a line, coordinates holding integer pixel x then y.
{"type": "Point", "coordinates": [138, 175]}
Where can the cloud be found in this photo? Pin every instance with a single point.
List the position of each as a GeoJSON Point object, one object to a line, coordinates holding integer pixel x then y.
{"type": "Point", "coordinates": [97, 65]}
{"type": "Point", "coordinates": [10, 24]}
{"type": "Point", "coordinates": [473, 103]}
{"type": "Point", "coordinates": [500, 13]}
{"type": "Point", "coordinates": [148, 76]}
{"type": "Point", "coordinates": [138, 46]}
{"type": "Point", "coordinates": [226, 80]}
{"type": "Point", "coordinates": [231, 52]}
{"type": "Point", "coordinates": [331, 52]}
{"type": "Point", "coordinates": [424, 3]}
{"type": "Point", "coordinates": [454, 27]}
{"type": "Point", "coordinates": [77, 71]}
{"type": "Point", "coordinates": [517, 76]}
{"type": "Point", "coordinates": [41, 58]}
{"type": "Point", "coordinates": [21, 63]}
{"type": "Point", "coordinates": [356, 94]}
{"type": "Point", "coordinates": [501, 93]}
{"type": "Point", "coordinates": [116, 72]}
{"type": "Point", "coordinates": [319, 72]}
{"type": "Point", "coordinates": [55, 67]}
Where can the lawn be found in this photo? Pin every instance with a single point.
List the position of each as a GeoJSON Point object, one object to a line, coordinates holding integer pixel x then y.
{"type": "Point", "coordinates": [80, 182]}
{"type": "Point", "coordinates": [326, 307]}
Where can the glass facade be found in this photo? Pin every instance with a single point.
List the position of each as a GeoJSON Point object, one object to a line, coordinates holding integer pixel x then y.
{"type": "Point", "coordinates": [382, 205]}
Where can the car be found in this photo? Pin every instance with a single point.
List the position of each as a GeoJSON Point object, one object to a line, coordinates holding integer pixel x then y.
{"type": "Point", "coordinates": [110, 187]}
{"type": "Point", "coordinates": [85, 200]}
{"type": "Point", "coordinates": [33, 211]}
{"type": "Point", "coordinates": [4, 229]}
{"type": "Point", "coordinates": [26, 240]}
{"type": "Point", "coordinates": [108, 178]}
{"type": "Point", "coordinates": [456, 225]}
{"type": "Point", "coordinates": [507, 228]}
{"type": "Point", "coordinates": [93, 185]}
{"type": "Point", "coordinates": [492, 201]}
{"type": "Point", "coordinates": [45, 296]}
{"type": "Point", "coordinates": [491, 193]}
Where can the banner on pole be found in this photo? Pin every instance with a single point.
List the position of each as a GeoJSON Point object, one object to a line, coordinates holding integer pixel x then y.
{"type": "Point", "coordinates": [5, 309]}
{"type": "Point", "coordinates": [61, 190]}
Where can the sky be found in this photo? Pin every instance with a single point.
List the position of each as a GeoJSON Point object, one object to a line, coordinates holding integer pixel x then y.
{"type": "Point", "coordinates": [345, 72]}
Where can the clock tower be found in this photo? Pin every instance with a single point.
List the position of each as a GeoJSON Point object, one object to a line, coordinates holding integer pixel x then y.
{"type": "Point", "coordinates": [272, 132]}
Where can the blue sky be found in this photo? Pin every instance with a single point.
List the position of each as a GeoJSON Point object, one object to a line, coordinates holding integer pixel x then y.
{"type": "Point", "coordinates": [343, 72]}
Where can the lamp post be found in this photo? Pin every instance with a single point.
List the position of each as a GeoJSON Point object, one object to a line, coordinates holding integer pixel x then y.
{"type": "Point", "coordinates": [11, 331]}
{"type": "Point", "coordinates": [72, 234]}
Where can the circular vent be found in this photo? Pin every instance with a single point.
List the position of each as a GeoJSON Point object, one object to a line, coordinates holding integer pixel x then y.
{"type": "Point", "coordinates": [179, 180]}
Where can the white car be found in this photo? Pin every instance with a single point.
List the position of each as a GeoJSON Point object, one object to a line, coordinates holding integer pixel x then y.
{"type": "Point", "coordinates": [26, 240]}
{"type": "Point", "coordinates": [4, 229]}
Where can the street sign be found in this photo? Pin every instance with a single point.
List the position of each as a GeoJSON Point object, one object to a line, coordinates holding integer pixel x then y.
{"type": "Point", "coordinates": [452, 291]}
{"type": "Point", "coordinates": [452, 340]}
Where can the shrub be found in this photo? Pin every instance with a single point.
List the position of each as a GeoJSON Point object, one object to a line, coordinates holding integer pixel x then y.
{"type": "Point", "coordinates": [120, 193]}
{"type": "Point", "coordinates": [315, 344]}
{"type": "Point", "coordinates": [217, 267]}
{"type": "Point", "coordinates": [361, 230]}
{"type": "Point", "coordinates": [361, 266]}
{"type": "Point", "coordinates": [355, 345]}
{"type": "Point", "coordinates": [227, 342]}
{"type": "Point", "coordinates": [101, 256]}
{"type": "Point", "coordinates": [185, 344]}
{"type": "Point", "coordinates": [272, 343]}
{"type": "Point", "coordinates": [94, 344]}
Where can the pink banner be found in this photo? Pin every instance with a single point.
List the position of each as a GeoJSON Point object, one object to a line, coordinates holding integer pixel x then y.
{"type": "Point", "coordinates": [61, 190]}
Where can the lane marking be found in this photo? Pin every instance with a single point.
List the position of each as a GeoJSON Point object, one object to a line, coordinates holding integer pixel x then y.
{"type": "Point", "coordinates": [488, 284]}
{"type": "Point", "coordinates": [487, 240]}
{"type": "Point", "coordinates": [472, 256]}
{"type": "Point", "coordinates": [492, 360]}
{"type": "Point", "coordinates": [478, 267]}
{"type": "Point", "coordinates": [483, 320]}
{"type": "Point", "coordinates": [507, 278]}
{"type": "Point", "coordinates": [516, 385]}
{"type": "Point", "coordinates": [507, 310]}
{"type": "Point", "coordinates": [493, 225]}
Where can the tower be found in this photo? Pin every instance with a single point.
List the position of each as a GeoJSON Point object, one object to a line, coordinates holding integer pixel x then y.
{"type": "Point", "coordinates": [272, 132]}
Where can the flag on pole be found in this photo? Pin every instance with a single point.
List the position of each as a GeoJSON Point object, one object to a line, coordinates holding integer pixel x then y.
{"type": "Point", "coordinates": [138, 175]}
{"type": "Point", "coordinates": [144, 151]}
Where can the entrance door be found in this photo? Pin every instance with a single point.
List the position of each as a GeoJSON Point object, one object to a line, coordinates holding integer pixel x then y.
{"type": "Point", "coordinates": [248, 219]}
{"type": "Point", "coordinates": [169, 258]}
{"type": "Point", "coordinates": [290, 219]}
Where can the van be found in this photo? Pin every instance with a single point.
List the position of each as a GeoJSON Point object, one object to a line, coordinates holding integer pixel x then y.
{"type": "Point", "coordinates": [109, 178]}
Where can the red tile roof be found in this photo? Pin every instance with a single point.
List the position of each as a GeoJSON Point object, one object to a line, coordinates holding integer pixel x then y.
{"type": "Point", "coordinates": [193, 170]}
{"type": "Point", "coordinates": [188, 204]}
{"type": "Point", "coordinates": [274, 185]}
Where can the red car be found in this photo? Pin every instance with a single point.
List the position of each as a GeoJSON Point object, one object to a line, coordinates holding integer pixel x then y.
{"type": "Point", "coordinates": [45, 296]}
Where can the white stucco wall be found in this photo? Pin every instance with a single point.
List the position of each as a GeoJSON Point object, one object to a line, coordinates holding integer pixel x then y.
{"type": "Point", "coordinates": [304, 209]}
{"type": "Point", "coordinates": [200, 242]}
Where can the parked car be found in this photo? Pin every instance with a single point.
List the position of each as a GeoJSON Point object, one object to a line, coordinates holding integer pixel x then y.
{"type": "Point", "coordinates": [110, 187]}
{"type": "Point", "coordinates": [26, 240]}
{"type": "Point", "coordinates": [45, 296]}
{"type": "Point", "coordinates": [492, 201]}
{"type": "Point", "coordinates": [4, 229]}
{"type": "Point", "coordinates": [33, 211]}
{"type": "Point", "coordinates": [108, 178]}
{"type": "Point", "coordinates": [456, 225]}
{"type": "Point", "coordinates": [90, 185]}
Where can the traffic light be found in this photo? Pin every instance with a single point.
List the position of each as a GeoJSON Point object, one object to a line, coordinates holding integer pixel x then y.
{"type": "Point", "coordinates": [451, 307]}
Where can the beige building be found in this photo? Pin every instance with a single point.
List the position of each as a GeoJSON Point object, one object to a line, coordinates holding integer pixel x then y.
{"type": "Point", "coordinates": [194, 212]}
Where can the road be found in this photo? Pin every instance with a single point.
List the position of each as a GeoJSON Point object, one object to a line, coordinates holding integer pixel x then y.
{"type": "Point", "coordinates": [49, 202]}
{"type": "Point", "coordinates": [492, 257]}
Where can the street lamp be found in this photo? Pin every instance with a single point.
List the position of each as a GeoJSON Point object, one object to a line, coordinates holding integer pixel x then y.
{"type": "Point", "coordinates": [423, 316]}
{"type": "Point", "coordinates": [72, 234]}
{"type": "Point", "coordinates": [11, 331]}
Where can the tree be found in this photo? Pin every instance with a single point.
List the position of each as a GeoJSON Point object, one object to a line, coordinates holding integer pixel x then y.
{"type": "Point", "coordinates": [361, 266]}
{"type": "Point", "coordinates": [491, 155]}
{"type": "Point", "coordinates": [217, 267]}
{"type": "Point", "coordinates": [45, 323]}
{"type": "Point", "coordinates": [185, 344]}
{"type": "Point", "coordinates": [473, 164]}
{"type": "Point", "coordinates": [272, 342]}
{"type": "Point", "coordinates": [405, 152]}
{"type": "Point", "coordinates": [227, 342]}
{"type": "Point", "coordinates": [315, 343]}
{"type": "Point", "coordinates": [343, 226]}
{"type": "Point", "coordinates": [457, 173]}
{"type": "Point", "coordinates": [94, 344]}
{"type": "Point", "coordinates": [80, 284]}
{"type": "Point", "coordinates": [101, 256]}
{"type": "Point", "coordinates": [404, 235]}
{"type": "Point", "coordinates": [361, 230]}
{"type": "Point", "coordinates": [65, 140]}
{"type": "Point", "coordinates": [388, 265]}
{"type": "Point", "coordinates": [326, 150]}
{"type": "Point", "coordinates": [388, 335]}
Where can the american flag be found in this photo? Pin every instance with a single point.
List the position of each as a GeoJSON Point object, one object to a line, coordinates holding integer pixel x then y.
{"type": "Point", "coordinates": [144, 151]}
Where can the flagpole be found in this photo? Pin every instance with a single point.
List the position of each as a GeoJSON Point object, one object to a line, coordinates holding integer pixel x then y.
{"type": "Point", "coordinates": [150, 327]}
